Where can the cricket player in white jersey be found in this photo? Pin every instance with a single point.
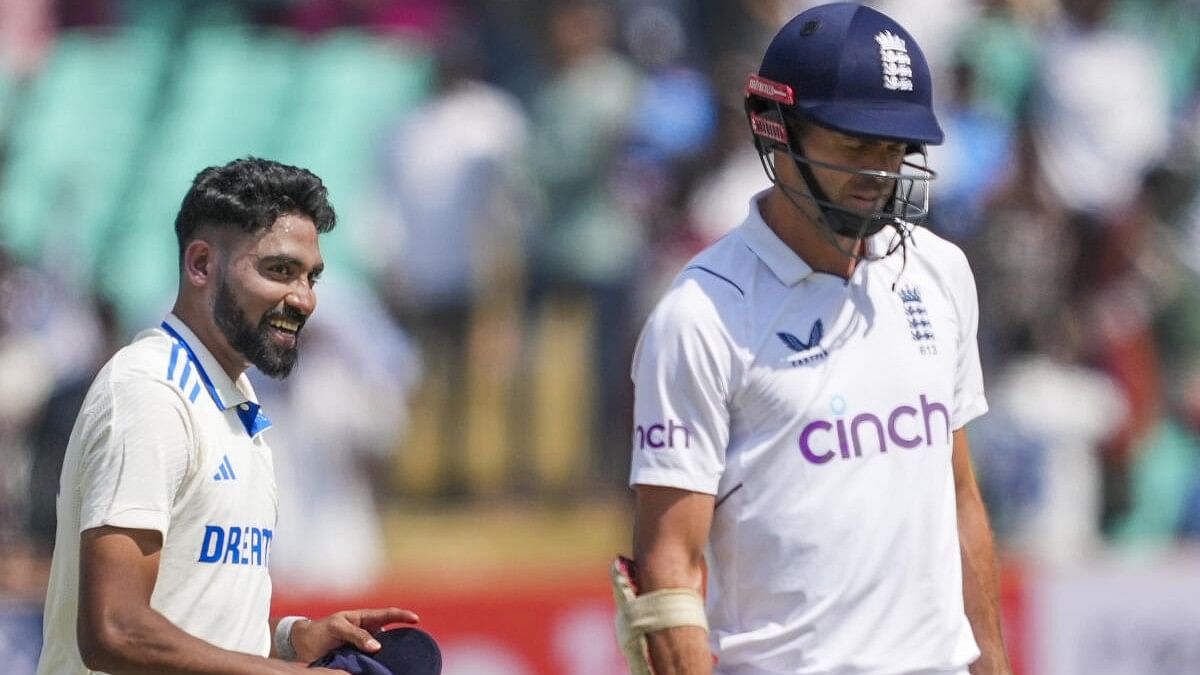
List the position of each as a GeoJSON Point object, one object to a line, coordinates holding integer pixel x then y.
{"type": "Point", "coordinates": [799, 453]}
{"type": "Point", "coordinates": [167, 504]}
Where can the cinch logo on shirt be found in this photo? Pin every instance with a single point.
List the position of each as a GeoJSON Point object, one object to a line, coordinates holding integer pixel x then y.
{"type": "Point", "coordinates": [821, 440]}
{"type": "Point", "coordinates": [663, 435]}
{"type": "Point", "coordinates": [236, 545]}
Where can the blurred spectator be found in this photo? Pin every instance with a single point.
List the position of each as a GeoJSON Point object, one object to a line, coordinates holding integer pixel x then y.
{"type": "Point", "coordinates": [1038, 456]}
{"type": "Point", "coordinates": [456, 178]}
{"type": "Point", "coordinates": [670, 147]}
{"type": "Point", "coordinates": [973, 162]}
{"type": "Point", "coordinates": [1172, 29]}
{"type": "Point", "coordinates": [721, 195]}
{"type": "Point", "coordinates": [1124, 284]}
{"type": "Point", "coordinates": [1161, 482]}
{"type": "Point", "coordinates": [581, 119]}
{"type": "Point", "coordinates": [1161, 291]}
{"type": "Point", "coordinates": [588, 246]}
{"type": "Point", "coordinates": [48, 337]}
{"type": "Point", "coordinates": [1101, 114]}
{"type": "Point", "coordinates": [1039, 460]}
{"type": "Point", "coordinates": [1000, 49]}
{"type": "Point", "coordinates": [675, 114]}
{"type": "Point", "coordinates": [51, 429]}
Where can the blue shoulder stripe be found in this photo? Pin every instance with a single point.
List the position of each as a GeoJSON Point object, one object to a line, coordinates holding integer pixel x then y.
{"type": "Point", "coordinates": [180, 345]}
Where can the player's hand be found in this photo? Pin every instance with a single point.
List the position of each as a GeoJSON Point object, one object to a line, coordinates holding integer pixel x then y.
{"type": "Point", "coordinates": [312, 639]}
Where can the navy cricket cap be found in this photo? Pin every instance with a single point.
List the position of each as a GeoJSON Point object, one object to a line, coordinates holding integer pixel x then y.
{"type": "Point", "coordinates": [852, 69]}
{"type": "Point", "coordinates": [405, 651]}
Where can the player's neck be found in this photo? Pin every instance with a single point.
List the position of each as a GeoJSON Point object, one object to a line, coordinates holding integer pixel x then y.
{"type": "Point", "coordinates": [801, 233]}
{"type": "Point", "coordinates": [198, 319]}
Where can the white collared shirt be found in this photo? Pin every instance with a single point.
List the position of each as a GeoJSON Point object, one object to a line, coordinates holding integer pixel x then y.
{"type": "Point", "coordinates": [819, 411]}
{"type": "Point", "coordinates": [166, 441]}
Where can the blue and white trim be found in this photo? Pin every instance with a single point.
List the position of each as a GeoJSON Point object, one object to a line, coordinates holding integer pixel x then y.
{"type": "Point", "coordinates": [253, 419]}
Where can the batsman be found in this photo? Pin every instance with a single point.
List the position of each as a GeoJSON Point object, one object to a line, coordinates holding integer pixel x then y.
{"type": "Point", "coordinates": [805, 498]}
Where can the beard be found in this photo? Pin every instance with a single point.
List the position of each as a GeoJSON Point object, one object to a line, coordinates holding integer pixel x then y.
{"type": "Point", "coordinates": [254, 341]}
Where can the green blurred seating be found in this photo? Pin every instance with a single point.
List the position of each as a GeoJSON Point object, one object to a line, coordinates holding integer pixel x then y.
{"type": "Point", "coordinates": [1162, 473]}
{"type": "Point", "coordinates": [236, 92]}
{"type": "Point", "coordinates": [72, 143]}
{"type": "Point", "coordinates": [225, 99]}
{"type": "Point", "coordinates": [8, 99]}
{"type": "Point", "coordinates": [351, 89]}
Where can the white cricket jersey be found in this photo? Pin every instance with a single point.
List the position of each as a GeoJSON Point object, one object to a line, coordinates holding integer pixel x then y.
{"type": "Point", "coordinates": [166, 441]}
{"type": "Point", "coordinates": [819, 412]}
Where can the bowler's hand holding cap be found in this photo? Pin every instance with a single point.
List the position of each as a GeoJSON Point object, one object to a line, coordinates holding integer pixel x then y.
{"type": "Point", "coordinates": [405, 651]}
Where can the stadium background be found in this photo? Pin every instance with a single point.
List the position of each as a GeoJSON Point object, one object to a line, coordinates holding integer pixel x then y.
{"type": "Point", "coordinates": [516, 181]}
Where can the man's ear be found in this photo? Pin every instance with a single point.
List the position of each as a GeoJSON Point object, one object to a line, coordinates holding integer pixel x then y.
{"type": "Point", "coordinates": [199, 263]}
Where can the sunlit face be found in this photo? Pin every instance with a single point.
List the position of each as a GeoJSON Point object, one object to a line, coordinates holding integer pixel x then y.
{"type": "Point", "coordinates": [264, 293]}
{"type": "Point", "coordinates": [864, 194]}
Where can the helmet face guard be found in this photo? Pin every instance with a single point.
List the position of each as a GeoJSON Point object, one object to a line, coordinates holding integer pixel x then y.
{"type": "Point", "coordinates": [910, 186]}
{"type": "Point", "coordinates": [851, 69]}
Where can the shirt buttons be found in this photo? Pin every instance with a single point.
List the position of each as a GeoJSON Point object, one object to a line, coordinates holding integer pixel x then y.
{"type": "Point", "coordinates": [244, 406]}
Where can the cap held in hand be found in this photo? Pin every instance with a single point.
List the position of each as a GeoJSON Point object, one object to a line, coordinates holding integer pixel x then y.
{"type": "Point", "coordinates": [406, 651]}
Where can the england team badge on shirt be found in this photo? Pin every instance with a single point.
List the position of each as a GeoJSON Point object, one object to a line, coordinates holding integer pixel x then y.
{"type": "Point", "coordinates": [920, 328]}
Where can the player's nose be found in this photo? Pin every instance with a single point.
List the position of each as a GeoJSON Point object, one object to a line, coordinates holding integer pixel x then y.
{"type": "Point", "coordinates": [303, 298]}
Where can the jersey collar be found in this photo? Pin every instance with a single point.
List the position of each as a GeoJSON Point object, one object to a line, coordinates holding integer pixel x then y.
{"type": "Point", "coordinates": [783, 262]}
{"type": "Point", "coordinates": [225, 392]}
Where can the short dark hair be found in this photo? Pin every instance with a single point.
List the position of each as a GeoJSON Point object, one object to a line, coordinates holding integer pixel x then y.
{"type": "Point", "coordinates": [249, 194]}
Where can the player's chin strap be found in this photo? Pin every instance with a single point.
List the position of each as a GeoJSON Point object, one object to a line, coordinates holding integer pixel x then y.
{"type": "Point", "coordinates": [638, 615]}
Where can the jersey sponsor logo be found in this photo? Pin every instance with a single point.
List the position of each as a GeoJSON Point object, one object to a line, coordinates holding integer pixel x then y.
{"type": "Point", "coordinates": [670, 434]}
{"type": "Point", "coordinates": [805, 352]}
{"type": "Point", "coordinates": [821, 441]}
{"type": "Point", "coordinates": [235, 545]}
{"type": "Point", "coordinates": [919, 326]}
{"type": "Point", "coordinates": [225, 470]}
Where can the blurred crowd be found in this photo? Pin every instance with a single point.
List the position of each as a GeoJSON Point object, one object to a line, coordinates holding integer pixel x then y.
{"type": "Point", "coordinates": [517, 180]}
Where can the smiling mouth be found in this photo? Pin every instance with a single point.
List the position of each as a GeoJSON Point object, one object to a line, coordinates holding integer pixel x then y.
{"type": "Point", "coordinates": [285, 325]}
{"type": "Point", "coordinates": [284, 332]}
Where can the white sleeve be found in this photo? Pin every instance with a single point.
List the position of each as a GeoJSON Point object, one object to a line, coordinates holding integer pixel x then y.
{"type": "Point", "coordinates": [969, 400]}
{"type": "Point", "coordinates": [683, 370]}
{"type": "Point", "coordinates": [135, 460]}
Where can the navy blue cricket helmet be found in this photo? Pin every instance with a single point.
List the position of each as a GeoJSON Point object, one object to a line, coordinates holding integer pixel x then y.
{"type": "Point", "coordinates": [850, 68]}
